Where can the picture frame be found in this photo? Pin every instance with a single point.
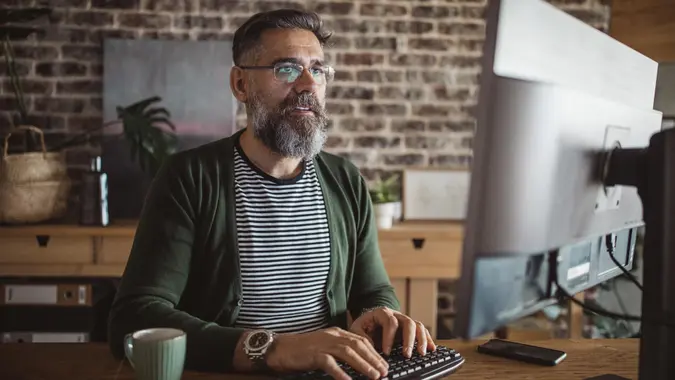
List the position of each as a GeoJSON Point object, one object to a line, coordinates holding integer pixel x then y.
{"type": "Point", "coordinates": [435, 194]}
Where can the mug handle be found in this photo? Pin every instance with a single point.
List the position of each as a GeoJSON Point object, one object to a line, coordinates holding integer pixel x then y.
{"type": "Point", "coordinates": [129, 348]}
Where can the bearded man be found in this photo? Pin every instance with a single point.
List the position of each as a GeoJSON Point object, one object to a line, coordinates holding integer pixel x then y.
{"type": "Point", "coordinates": [260, 246]}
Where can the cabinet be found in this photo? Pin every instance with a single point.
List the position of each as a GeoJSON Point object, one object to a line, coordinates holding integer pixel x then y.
{"type": "Point", "coordinates": [416, 256]}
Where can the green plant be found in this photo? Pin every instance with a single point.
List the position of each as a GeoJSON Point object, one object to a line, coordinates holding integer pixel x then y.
{"type": "Point", "coordinates": [385, 191]}
{"type": "Point", "coordinates": [146, 126]}
{"type": "Point", "coordinates": [11, 29]}
{"type": "Point", "coordinates": [142, 125]}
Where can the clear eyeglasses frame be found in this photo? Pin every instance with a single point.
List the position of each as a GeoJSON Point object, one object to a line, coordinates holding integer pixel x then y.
{"type": "Point", "coordinates": [289, 72]}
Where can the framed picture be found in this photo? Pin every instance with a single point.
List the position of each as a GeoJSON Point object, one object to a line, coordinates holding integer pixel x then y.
{"type": "Point", "coordinates": [435, 194]}
{"type": "Point", "coordinates": [191, 77]}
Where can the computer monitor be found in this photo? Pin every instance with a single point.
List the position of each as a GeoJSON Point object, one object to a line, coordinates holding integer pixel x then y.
{"type": "Point", "coordinates": [569, 161]}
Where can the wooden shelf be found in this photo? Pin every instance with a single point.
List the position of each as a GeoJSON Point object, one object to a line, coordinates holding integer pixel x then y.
{"type": "Point", "coordinates": [119, 228]}
{"type": "Point", "coordinates": [415, 254]}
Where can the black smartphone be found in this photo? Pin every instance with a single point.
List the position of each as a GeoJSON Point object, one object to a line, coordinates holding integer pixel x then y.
{"type": "Point", "coordinates": [522, 352]}
{"type": "Point", "coordinates": [607, 377]}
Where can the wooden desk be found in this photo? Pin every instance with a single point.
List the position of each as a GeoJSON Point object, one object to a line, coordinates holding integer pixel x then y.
{"type": "Point", "coordinates": [416, 256]}
{"type": "Point", "coordinates": [585, 358]}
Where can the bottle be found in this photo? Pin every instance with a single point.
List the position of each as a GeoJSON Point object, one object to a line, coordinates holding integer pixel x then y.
{"type": "Point", "coordinates": [94, 196]}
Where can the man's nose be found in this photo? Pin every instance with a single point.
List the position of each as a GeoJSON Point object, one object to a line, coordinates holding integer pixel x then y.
{"type": "Point", "coordinates": [305, 82]}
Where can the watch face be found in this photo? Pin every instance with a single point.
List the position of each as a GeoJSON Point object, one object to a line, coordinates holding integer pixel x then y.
{"type": "Point", "coordinates": [258, 340]}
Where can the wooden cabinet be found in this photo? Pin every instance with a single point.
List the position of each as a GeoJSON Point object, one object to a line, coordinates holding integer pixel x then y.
{"type": "Point", "coordinates": [115, 249]}
{"type": "Point", "coordinates": [416, 256]}
{"type": "Point", "coordinates": [46, 250]}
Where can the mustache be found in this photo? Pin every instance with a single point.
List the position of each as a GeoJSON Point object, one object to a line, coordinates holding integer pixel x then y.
{"type": "Point", "coordinates": [304, 100]}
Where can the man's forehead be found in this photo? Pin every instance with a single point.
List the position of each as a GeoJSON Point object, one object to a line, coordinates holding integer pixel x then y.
{"type": "Point", "coordinates": [291, 43]}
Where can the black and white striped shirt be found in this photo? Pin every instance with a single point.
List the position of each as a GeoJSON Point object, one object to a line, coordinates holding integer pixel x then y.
{"type": "Point", "coordinates": [284, 249]}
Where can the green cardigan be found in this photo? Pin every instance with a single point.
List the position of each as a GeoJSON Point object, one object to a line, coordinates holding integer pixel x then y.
{"type": "Point", "coordinates": [183, 269]}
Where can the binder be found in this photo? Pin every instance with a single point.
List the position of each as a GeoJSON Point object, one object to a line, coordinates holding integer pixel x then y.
{"type": "Point", "coordinates": [44, 337]}
{"type": "Point", "coordinates": [46, 294]}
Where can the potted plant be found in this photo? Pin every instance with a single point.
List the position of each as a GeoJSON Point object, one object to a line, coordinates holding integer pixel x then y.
{"type": "Point", "coordinates": [386, 201]}
{"type": "Point", "coordinates": [34, 183]}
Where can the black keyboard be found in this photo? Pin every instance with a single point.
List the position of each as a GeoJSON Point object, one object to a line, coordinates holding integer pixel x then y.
{"type": "Point", "coordinates": [442, 362]}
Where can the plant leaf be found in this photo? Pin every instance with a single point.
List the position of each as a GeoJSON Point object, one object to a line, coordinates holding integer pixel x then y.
{"type": "Point", "coordinates": [142, 127]}
{"type": "Point", "coordinates": [14, 79]}
{"type": "Point", "coordinates": [162, 120]}
{"type": "Point", "coordinates": [138, 107]}
{"type": "Point", "coordinates": [157, 112]}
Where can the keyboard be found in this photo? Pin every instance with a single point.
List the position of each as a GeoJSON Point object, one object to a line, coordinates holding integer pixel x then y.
{"type": "Point", "coordinates": [442, 362]}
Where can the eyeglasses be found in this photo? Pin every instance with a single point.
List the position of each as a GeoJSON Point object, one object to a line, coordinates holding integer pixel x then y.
{"type": "Point", "coordinates": [289, 72]}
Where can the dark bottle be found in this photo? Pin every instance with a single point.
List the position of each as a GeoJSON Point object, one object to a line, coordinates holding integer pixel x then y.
{"type": "Point", "coordinates": [94, 196]}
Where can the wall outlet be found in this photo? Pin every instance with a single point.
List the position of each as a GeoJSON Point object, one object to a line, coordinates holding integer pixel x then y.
{"type": "Point", "coordinates": [609, 198]}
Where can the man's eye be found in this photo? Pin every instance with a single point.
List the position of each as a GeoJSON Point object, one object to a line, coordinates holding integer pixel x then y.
{"type": "Point", "coordinates": [287, 70]}
{"type": "Point", "coordinates": [287, 73]}
{"type": "Point", "coordinates": [317, 70]}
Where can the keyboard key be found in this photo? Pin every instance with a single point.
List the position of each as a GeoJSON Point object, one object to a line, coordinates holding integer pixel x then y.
{"type": "Point", "coordinates": [434, 365]}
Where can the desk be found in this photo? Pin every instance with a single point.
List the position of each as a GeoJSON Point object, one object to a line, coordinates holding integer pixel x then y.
{"type": "Point", "coordinates": [416, 256]}
{"type": "Point", "coordinates": [585, 358]}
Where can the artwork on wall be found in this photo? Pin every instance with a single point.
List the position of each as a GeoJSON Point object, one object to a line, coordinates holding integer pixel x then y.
{"type": "Point", "coordinates": [192, 79]}
{"type": "Point", "coordinates": [435, 194]}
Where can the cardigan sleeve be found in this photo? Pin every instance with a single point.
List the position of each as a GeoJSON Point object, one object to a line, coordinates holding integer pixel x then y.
{"type": "Point", "coordinates": [157, 272]}
{"type": "Point", "coordinates": [371, 286]}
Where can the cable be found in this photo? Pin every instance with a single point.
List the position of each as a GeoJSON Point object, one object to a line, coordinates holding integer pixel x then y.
{"type": "Point", "coordinates": [610, 249]}
{"type": "Point", "coordinates": [562, 293]}
{"type": "Point", "coordinates": [593, 309]}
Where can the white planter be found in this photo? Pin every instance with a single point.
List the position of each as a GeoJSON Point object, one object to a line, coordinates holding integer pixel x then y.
{"type": "Point", "coordinates": [384, 214]}
{"type": "Point", "coordinates": [398, 211]}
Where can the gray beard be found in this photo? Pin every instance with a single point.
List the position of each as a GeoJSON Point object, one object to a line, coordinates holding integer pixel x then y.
{"type": "Point", "coordinates": [291, 137]}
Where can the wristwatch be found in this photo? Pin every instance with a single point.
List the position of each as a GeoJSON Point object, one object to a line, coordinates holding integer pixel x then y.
{"type": "Point", "coordinates": [256, 345]}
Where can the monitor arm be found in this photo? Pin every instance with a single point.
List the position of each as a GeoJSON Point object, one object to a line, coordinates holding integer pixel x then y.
{"type": "Point", "coordinates": [652, 171]}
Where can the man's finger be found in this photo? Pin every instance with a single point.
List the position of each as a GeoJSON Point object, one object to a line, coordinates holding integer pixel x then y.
{"type": "Point", "coordinates": [358, 330]}
{"type": "Point", "coordinates": [368, 352]}
{"type": "Point", "coordinates": [409, 329]}
{"type": "Point", "coordinates": [431, 345]}
{"type": "Point", "coordinates": [365, 350]}
{"type": "Point", "coordinates": [349, 355]}
{"type": "Point", "coordinates": [421, 338]}
{"type": "Point", "coordinates": [328, 364]}
{"type": "Point", "coordinates": [389, 324]}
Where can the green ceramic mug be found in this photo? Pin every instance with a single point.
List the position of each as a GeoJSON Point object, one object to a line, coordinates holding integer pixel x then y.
{"type": "Point", "coordinates": [156, 354]}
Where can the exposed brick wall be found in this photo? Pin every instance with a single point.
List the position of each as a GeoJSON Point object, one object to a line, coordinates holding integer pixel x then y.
{"type": "Point", "coordinates": [406, 80]}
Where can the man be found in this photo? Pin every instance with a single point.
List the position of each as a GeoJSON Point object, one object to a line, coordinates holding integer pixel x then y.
{"type": "Point", "coordinates": [260, 245]}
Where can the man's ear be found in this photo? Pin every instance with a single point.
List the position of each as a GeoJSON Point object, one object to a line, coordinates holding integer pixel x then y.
{"type": "Point", "coordinates": [238, 84]}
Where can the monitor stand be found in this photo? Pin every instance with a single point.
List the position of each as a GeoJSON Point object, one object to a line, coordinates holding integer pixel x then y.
{"type": "Point", "coordinates": [652, 171]}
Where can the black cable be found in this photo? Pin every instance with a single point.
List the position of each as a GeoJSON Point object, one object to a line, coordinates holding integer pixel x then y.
{"type": "Point", "coordinates": [562, 293]}
{"type": "Point", "coordinates": [593, 309]}
{"type": "Point", "coordinates": [610, 249]}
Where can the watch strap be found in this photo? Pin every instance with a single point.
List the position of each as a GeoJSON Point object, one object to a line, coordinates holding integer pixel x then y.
{"type": "Point", "coordinates": [259, 358]}
{"type": "Point", "coordinates": [259, 362]}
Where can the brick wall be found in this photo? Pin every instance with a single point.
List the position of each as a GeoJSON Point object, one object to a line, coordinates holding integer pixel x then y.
{"type": "Point", "coordinates": [407, 71]}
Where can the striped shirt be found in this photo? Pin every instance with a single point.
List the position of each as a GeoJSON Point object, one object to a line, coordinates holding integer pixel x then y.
{"type": "Point", "coordinates": [284, 249]}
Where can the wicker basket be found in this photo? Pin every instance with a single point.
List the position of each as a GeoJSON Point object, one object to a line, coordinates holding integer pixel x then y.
{"type": "Point", "coordinates": [34, 187]}
{"type": "Point", "coordinates": [34, 166]}
{"type": "Point", "coordinates": [33, 202]}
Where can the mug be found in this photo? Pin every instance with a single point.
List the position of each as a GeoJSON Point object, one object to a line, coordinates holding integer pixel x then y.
{"type": "Point", "coordinates": [156, 354]}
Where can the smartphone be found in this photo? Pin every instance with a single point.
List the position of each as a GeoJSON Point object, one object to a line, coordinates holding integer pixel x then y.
{"type": "Point", "coordinates": [522, 352]}
{"type": "Point", "coordinates": [608, 377]}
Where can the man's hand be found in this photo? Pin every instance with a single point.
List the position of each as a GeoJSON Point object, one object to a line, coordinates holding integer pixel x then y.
{"type": "Point", "coordinates": [322, 349]}
{"type": "Point", "coordinates": [390, 321]}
